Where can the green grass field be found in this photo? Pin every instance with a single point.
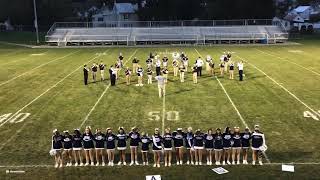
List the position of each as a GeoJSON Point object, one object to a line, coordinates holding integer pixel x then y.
{"type": "Point", "coordinates": [281, 83]}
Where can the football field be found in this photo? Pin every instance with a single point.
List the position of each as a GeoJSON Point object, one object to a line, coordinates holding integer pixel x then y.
{"type": "Point", "coordinates": [42, 89]}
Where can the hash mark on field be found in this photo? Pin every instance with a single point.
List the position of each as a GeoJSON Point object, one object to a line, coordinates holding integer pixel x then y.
{"type": "Point", "coordinates": [56, 59]}
{"type": "Point", "coordinates": [103, 93]}
{"type": "Point", "coordinates": [287, 60]}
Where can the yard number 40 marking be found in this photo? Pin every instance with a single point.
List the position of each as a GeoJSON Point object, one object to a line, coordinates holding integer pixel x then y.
{"type": "Point", "coordinates": [308, 114]}
{"type": "Point", "coordinates": [170, 115]}
{"type": "Point", "coordinates": [14, 119]}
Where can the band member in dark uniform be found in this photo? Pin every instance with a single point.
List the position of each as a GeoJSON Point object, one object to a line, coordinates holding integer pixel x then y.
{"type": "Point", "coordinates": [128, 76]}
{"type": "Point", "coordinates": [112, 73]}
{"type": "Point", "coordinates": [135, 63]}
{"type": "Point", "coordinates": [85, 74]}
{"type": "Point", "coordinates": [101, 68]}
{"type": "Point", "coordinates": [240, 68]}
{"type": "Point", "coordinates": [120, 60]}
{"type": "Point", "coordinates": [94, 70]}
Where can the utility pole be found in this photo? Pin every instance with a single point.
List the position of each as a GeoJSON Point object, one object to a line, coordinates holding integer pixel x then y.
{"type": "Point", "coordinates": [36, 20]}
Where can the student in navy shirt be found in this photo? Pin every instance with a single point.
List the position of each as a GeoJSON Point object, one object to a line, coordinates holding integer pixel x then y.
{"type": "Point", "coordinates": [178, 137]}
{"type": "Point", "coordinates": [145, 142]}
{"type": "Point", "coordinates": [99, 139]}
{"type": "Point", "coordinates": [67, 147]}
{"type": "Point", "coordinates": [77, 147]}
{"type": "Point", "coordinates": [226, 146]}
{"type": "Point", "coordinates": [218, 146]}
{"type": "Point", "coordinates": [87, 140]}
{"type": "Point", "coordinates": [134, 143]}
{"type": "Point", "coordinates": [189, 145]}
{"type": "Point", "coordinates": [245, 143]}
{"type": "Point", "coordinates": [110, 145]}
{"type": "Point", "coordinates": [236, 147]}
{"type": "Point", "coordinates": [198, 146]}
{"type": "Point", "coordinates": [258, 145]}
{"type": "Point", "coordinates": [57, 140]}
{"type": "Point", "coordinates": [208, 144]}
{"type": "Point", "coordinates": [122, 145]}
{"type": "Point", "coordinates": [156, 147]}
{"type": "Point", "coordinates": [167, 143]}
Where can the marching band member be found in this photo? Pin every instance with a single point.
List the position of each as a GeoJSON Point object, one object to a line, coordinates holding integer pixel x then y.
{"type": "Point", "coordinates": [117, 69]}
{"type": "Point", "coordinates": [189, 146]}
{"type": "Point", "coordinates": [175, 66]}
{"type": "Point", "coordinates": [178, 137]}
{"type": "Point", "coordinates": [165, 73]}
{"type": "Point", "coordinates": [134, 136]}
{"type": "Point", "coordinates": [156, 147]}
{"type": "Point", "coordinates": [226, 146]}
{"type": "Point", "coordinates": [122, 146]}
{"type": "Point", "coordinates": [222, 65]}
{"type": "Point", "coordinates": [258, 145]}
{"type": "Point", "coordinates": [236, 147]}
{"type": "Point", "coordinates": [94, 69]}
{"type": "Point", "coordinates": [211, 64]}
{"type": "Point", "coordinates": [67, 148]}
{"type": "Point", "coordinates": [218, 146]}
{"type": "Point", "coordinates": [57, 140]}
{"type": "Point", "coordinates": [113, 76]}
{"type": "Point", "coordinates": [145, 142]}
{"type": "Point", "coordinates": [182, 69]}
{"type": "Point", "coordinates": [208, 60]}
{"type": "Point", "coordinates": [198, 146]}
{"type": "Point", "coordinates": [231, 69]}
{"type": "Point", "coordinates": [128, 76]}
{"type": "Point", "coordinates": [99, 139]}
{"type": "Point", "coordinates": [165, 61]}
{"type": "Point", "coordinates": [245, 143]}
{"type": "Point", "coordinates": [135, 63]}
{"type": "Point", "coordinates": [85, 74]}
{"type": "Point", "coordinates": [149, 73]}
{"type": "Point", "coordinates": [185, 61]}
{"type": "Point", "coordinates": [226, 62]}
{"type": "Point", "coordinates": [240, 68]}
{"type": "Point", "coordinates": [167, 143]}
{"type": "Point", "coordinates": [110, 145]}
{"type": "Point", "coordinates": [77, 147]}
{"type": "Point", "coordinates": [199, 63]}
{"type": "Point", "coordinates": [149, 62]}
{"type": "Point", "coordinates": [140, 76]}
{"type": "Point", "coordinates": [158, 67]}
{"type": "Point", "coordinates": [101, 68]}
{"type": "Point", "coordinates": [161, 85]}
{"type": "Point", "coordinates": [120, 60]}
{"type": "Point", "coordinates": [87, 139]}
{"type": "Point", "coordinates": [208, 144]}
{"type": "Point", "coordinates": [195, 74]}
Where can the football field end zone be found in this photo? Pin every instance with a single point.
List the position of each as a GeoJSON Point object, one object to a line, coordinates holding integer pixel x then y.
{"type": "Point", "coordinates": [41, 65]}
{"type": "Point", "coordinates": [35, 99]}
{"type": "Point", "coordinates": [103, 93]}
{"type": "Point", "coordinates": [22, 59]}
{"type": "Point", "coordinates": [287, 60]}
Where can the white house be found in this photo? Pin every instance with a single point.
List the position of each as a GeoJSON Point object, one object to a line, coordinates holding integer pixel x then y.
{"type": "Point", "coordinates": [303, 11]}
{"type": "Point", "coordinates": [122, 14]}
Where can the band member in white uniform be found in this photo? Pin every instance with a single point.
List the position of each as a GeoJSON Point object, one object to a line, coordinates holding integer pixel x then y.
{"type": "Point", "coordinates": [161, 85]}
{"type": "Point", "coordinates": [165, 73]}
{"type": "Point", "coordinates": [140, 76]}
{"type": "Point", "coordinates": [199, 63]}
{"type": "Point", "coordinates": [135, 63]}
{"type": "Point", "coordinates": [165, 62]}
{"type": "Point", "coordinates": [128, 76]}
{"type": "Point", "coordinates": [182, 70]}
{"type": "Point", "coordinates": [101, 68]}
{"type": "Point", "coordinates": [208, 60]}
{"type": "Point", "coordinates": [175, 63]}
{"type": "Point", "coordinates": [149, 74]}
{"type": "Point", "coordinates": [94, 69]}
{"type": "Point", "coordinates": [240, 68]}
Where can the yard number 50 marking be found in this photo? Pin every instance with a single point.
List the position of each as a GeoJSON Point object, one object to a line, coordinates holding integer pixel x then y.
{"type": "Point", "coordinates": [308, 114]}
{"type": "Point", "coordinates": [170, 115]}
{"type": "Point", "coordinates": [14, 119]}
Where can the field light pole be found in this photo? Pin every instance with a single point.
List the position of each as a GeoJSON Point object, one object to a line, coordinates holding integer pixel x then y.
{"type": "Point", "coordinates": [36, 20]}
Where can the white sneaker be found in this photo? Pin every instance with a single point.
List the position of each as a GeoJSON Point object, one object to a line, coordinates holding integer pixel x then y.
{"type": "Point", "coordinates": [228, 162]}
{"type": "Point", "coordinates": [158, 165]}
{"type": "Point", "coordinates": [178, 163]}
{"type": "Point", "coordinates": [208, 163]}
{"type": "Point", "coordinates": [260, 163]}
{"type": "Point", "coordinates": [233, 163]}
{"type": "Point", "coordinates": [188, 162]}
{"type": "Point", "coordinates": [192, 163]}
{"type": "Point", "coordinates": [238, 162]}
{"type": "Point", "coordinates": [81, 164]}
{"type": "Point", "coordinates": [200, 163]}
{"type": "Point", "coordinates": [56, 165]}
{"type": "Point", "coordinates": [245, 162]}
{"type": "Point", "coordinates": [103, 164]}
{"type": "Point", "coordinates": [61, 165]}
{"type": "Point", "coordinates": [112, 164]}
{"type": "Point", "coordinates": [155, 165]}
{"type": "Point", "coordinates": [147, 163]}
{"type": "Point", "coordinates": [181, 162]}
{"type": "Point", "coordinates": [97, 164]}
{"type": "Point", "coordinates": [137, 163]}
{"type": "Point", "coordinates": [124, 163]}
{"type": "Point", "coordinates": [165, 164]}
{"type": "Point", "coordinates": [131, 163]}
{"type": "Point", "coordinates": [196, 163]}
{"type": "Point", "coordinates": [143, 163]}
{"type": "Point", "coordinates": [76, 164]}
{"type": "Point", "coordinates": [119, 163]}
{"type": "Point", "coordinates": [217, 163]}
{"type": "Point", "coordinates": [223, 163]}
{"type": "Point", "coordinates": [253, 163]}
{"type": "Point", "coordinates": [92, 163]}
{"type": "Point", "coordinates": [169, 164]}
{"type": "Point", "coordinates": [67, 164]}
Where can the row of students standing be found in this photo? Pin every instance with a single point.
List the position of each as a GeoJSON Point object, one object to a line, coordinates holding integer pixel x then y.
{"type": "Point", "coordinates": [98, 148]}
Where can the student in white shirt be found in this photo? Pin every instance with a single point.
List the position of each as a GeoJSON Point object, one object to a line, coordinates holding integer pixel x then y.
{"type": "Point", "coordinates": [158, 67]}
{"type": "Point", "coordinates": [161, 85]}
{"type": "Point", "coordinates": [208, 60]}
{"type": "Point", "coordinates": [199, 64]}
{"type": "Point", "coordinates": [240, 68]}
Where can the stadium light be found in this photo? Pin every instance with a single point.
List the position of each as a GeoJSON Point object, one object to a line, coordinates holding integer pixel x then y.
{"type": "Point", "coordinates": [36, 20]}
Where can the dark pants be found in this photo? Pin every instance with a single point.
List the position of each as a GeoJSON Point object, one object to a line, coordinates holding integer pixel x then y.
{"type": "Point", "coordinates": [199, 72]}
{"type": "Point", "coordinates": [85, 78]}
{"type": "Point", "coordinates": [113, 80]}
{"type": "Point", "coordinates": [158, 71]}
{"type": "Point", "coordinates": [241, 75]}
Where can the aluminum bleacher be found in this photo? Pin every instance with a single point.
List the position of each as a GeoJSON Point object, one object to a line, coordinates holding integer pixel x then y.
{"type": "Point", "coordinates": [64, 34]}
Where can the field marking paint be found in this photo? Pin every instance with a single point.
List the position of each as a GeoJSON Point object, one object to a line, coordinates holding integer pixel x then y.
{"type": "Point", "coordinates": [163, 111]}
{"type": "Point", "coordinates": [280, 85]}
{"type": "Point", "coordinates": [287, 60]}
{"type": "Point", "coordinates": [41, 65]}
{"type": "Point", "coordinates": [236, 109]}
{"type": "Point", "coordinates": [46, 91]}
{"type": "Point", "coordinates": [103, 93]}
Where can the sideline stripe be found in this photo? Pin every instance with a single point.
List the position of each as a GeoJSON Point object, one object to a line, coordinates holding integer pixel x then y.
{"type": "Point", "coordinates": [288, 60]}
{"type": "Point", "coordinates": [103, 93]}
{"type": "Point", "coordinates": [56, 59]}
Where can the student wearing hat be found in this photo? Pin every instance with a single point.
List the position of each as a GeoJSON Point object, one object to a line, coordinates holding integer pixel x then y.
{"type": "Point", "coordinates": [231, 70]}
{"type": "Point", "coordinates": [110, 146]}
{"type": "Point", "coordinates": [67, 148]}
{"type": "Point", "coordinates": [245, 143]}
{"type": "Point", "coordinates": [182, 69]}
{"type": "Point", "coordinates": [134, 137]}
{"type": "Point", "coordinates": [198, 141]}
{"type": "Point", "coordinates": [77, 147]}
{"type": "Point", "coordinates": [218, 146]}
{"type": "Point", "coordinates": [99, 139]}
{"type": "Point", "coordinates": [236, 147]}
{"type": "Point", "coordinates": [167, 143]}
{"type": "Point", "coordinates": [128, 76]}
{"type": "Point", "coordinates": [135, 63]}
{"type": "Point", "coordinates": [185, 62]}
{"type": "Point", "coordinates": [101, 68]}
{"type": "Point", "coordinates": [120, 60]}
{"type": "Point", "coordinates": [165, 73]}
{"type": "Point", "coordinates": [140, 76]}
{"type": "Point", "coordinates": [165, 61]}
{"type": "Point", "coordinates": [156, 147]}
{"type": "Point", "coordinates": [85, 74]}
{"type": "Point", "coordinates": [258, 145]}
{"type": "Point", "coordinates": [175, 65]}
{"type": "Point", "coordinates": [208, 144]}
{"type": "Point", "coordinates": [195, 74]}
{"type": "Point", "coordinates": [88, 146]}
{"type": "Point", "coordinates": [112, 73]}
{"type": "Point", "coordinates": [122, 145]}
{"type": "Point", "coordinates": [145, 142]}
{"type": "Point", "coordinates": [57, 141]}
{"type": "Point", "coordinates": [208, 67]}
{"type": "Point", "coordinates": [149, 74]}
{"type": "Point", "coordinates": [178, 138]}
{"type": "Point", "coordinates": [94, 69]}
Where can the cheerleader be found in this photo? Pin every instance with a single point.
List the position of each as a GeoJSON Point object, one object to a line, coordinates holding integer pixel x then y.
{"type": "Point", "coordinates": [195, 74]}
{"type": "Point", "coordinates": [87, 139]}
{"type": "Point", "coordinates": [208, 144]}
{"type": "Point", "coordinates": [182, 69]}
{"type": "Point", "coordinates": [236, 147]}
{"type": "Point", "coordinates": [218, 146]}
{"type": "Point", "coordinates": [245, 143]}
{"type": "Point", "coordinates": [99, 139]}
{"type": "Point", "coordinates": [189, 145]}
{"type": "Point", "coordinates": [156, 147]}
{"type": "Point", "coordinates": [258, 145]}
{"type": "Point", "coordinates": [167, 143]}
{"type": "Point", "coordinates": [140, 76]}
{"type": "Point", "coordinates": [175, 66]}
{"type": "Point", "coordinates": [135, 63]}
{"type": "Point", "coordinates": [128, 75]}
{"type": "Point", "coordinates": [226, 146]}
{"type": "Point", "coordinates": [145, 142]}
{"type": "Point", "coordinates": [231, 69]}
{"type": "Point", "coordinates": [110, 145]}
{"type": "Point", "coordinates": [222, 64]}
{"type": "Point", "coordinates": [67, 148]}
{"type": "Point", "coordinates": [198, 141]}
{"type": "Point", "coordinates": [208, 60]}
{"type": "Point", "coordinates": [165, 62]}
{"type": "Point", "coordinates": [149, 74]}
{"type": "Point", "coordinates": [122, 146]}
{"type": "Point", "coordinates": [165, 73]}
{"type": "Point", "coordinates": [158, 67]}
{"type": "Point", "coordinates": [57, 140]}
{"type": "Point", "coordinates": [77, 147]}
{"type": "Point", "coordinates": [134, 136]}
{"type": "Point", "coordinates": [178, 137]}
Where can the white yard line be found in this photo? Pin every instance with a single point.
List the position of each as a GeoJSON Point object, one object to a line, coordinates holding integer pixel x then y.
{"type": "Point", "coordinates": [101, 96]}
{"type": "Point", "coordinates": [285, 89]}
{"type": "Point", "coordinates": [235, 107]}
{"type": "Point", "coordinates": [56, 59]}
{"type": "Point", "coordinates": [288, 60]}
